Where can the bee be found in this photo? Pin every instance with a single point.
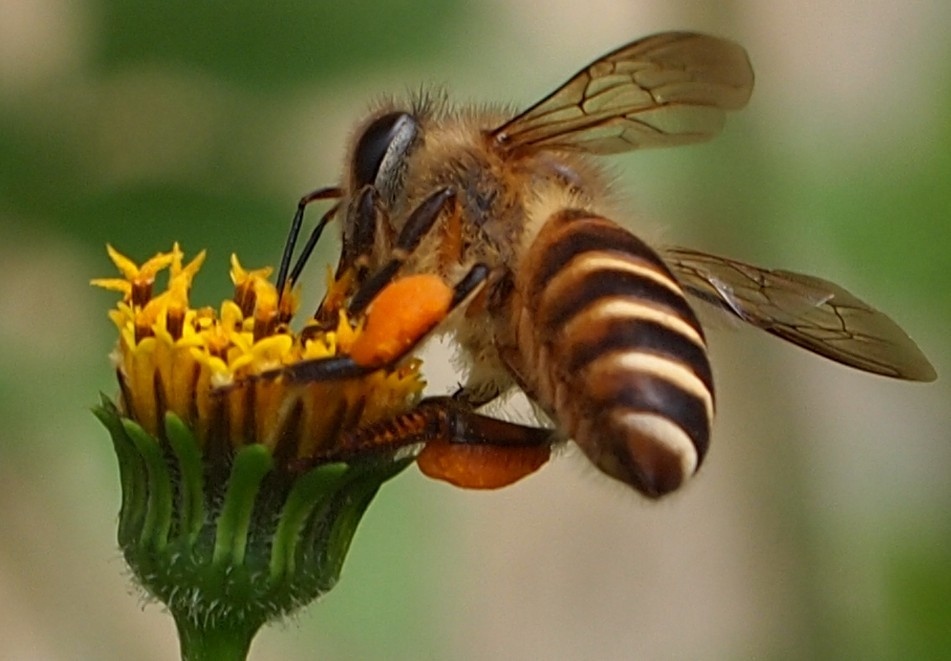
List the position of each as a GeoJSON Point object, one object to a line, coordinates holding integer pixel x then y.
{"type": "Point", "coordinates": [551, 293]}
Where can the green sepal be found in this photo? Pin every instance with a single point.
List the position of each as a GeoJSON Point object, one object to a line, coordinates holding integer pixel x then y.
{"type": "Point", "coordinates": [158, 512]}
{"type": "Point", "coordinates": [191, 486]}
{"type": "Point", "coordinates": [309, 492]}
{"type": "Point", "coordinates": [250, 466]}
{"type": "Point", "coordinates": [229, 543]}
{"type": "Point", "coordinates": [350, 503]}
{"type": "Point", "coordinates": [132, 475]}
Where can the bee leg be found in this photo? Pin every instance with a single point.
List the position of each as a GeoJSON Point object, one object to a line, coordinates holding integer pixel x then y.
{"type": "Point", "coordinates": [354, 257]}
{"type": "Point", "coordinates": [357, 246]}
{"type": "Point", "coordinates": [295, 229]}
{"type": "Point", "coordinates": [420, 221]}
{"type": "Point", "coordinates": [468, 285]}
{"type": "Point", "coordinates": [451, 242]}
{"type": "Point", "coordinates": [446, 420]}
{"type": "Point", "coordinates": [478, 392]}
{"type": "Point", "coordinates": [477, 395]}
{"type": "Point", "coordinates": [347, 367]}
{"type": "Point", "coordinates": [460, 446]}
{"type": "Point", "coordinates": [479, 452]}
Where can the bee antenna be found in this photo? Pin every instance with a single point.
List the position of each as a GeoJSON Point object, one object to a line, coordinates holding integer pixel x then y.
{"type": "Point", "coordinates": [295, 230]}
{"type": "Point", "coordinates": [308, 249]}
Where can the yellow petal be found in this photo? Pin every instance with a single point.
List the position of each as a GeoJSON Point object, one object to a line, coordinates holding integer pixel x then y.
{"type": "Point", "coordinates": [112, 284]}
{"type": "Point", "coordinates": [126, 266]}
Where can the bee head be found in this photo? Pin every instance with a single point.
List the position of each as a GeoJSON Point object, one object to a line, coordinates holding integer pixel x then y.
{"type": "Point", "coordinates": [376, 178]}
{"type": "Point", "coordinates": [379, 157]}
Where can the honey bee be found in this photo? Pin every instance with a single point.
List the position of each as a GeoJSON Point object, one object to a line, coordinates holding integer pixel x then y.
{"type": "Point", "coordinates": [555, 296]}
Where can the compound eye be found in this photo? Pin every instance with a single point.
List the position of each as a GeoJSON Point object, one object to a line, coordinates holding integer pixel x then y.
{"type": "Point", "coordinates": [381, 148]}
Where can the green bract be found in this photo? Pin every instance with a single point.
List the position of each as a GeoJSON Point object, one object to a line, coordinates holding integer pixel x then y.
{"type": "Point", "coordinates": [229, 543]}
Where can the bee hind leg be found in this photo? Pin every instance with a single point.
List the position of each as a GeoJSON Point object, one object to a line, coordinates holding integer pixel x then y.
{"type": "Point", "coordinates": [459, 446]}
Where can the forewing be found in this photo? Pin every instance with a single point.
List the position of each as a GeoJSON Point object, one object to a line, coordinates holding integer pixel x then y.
{"type": "Point", "coordinates": [813, 313]}
{"type": "Point", "coordinates": [667, 89]}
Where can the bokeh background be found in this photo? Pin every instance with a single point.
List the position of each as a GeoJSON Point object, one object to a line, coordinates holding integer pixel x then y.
{"type": "Point", "coordinates": [820, 526]}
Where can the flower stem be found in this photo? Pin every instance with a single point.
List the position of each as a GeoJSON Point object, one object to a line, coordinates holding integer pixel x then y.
{"type": "Point", "coordinates": [222, 641]}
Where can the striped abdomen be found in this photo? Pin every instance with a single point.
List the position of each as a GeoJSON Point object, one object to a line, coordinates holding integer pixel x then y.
{"type": "Point", "coordinates": [607, 344]}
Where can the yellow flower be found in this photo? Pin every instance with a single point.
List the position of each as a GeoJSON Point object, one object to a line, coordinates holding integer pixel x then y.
{"type": "Point", "coordinates": [202, 364]}
{"type": "Point", "coordinates": [239, 446]}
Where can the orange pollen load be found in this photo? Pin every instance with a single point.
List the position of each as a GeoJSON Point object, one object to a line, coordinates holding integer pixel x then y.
{"type": "Point", "coordinates": [399, 317]}
{"type": "Point", "coordinates": [472, 466]}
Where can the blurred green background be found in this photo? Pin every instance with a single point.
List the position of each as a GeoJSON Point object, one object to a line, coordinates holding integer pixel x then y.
{"type": "Point", "coordinates": [820, 526]}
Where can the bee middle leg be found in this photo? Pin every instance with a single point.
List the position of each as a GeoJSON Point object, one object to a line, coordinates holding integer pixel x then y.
{"type": "Point", "coordinates": [477, 395]}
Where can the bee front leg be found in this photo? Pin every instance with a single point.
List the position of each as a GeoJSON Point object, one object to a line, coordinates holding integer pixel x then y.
{"type": "Point", "coordinates": [358, 239]}
{"type": "Point", "coordinates": [420, 221]}
{"type": "Point", "coordinates": [399, 318]}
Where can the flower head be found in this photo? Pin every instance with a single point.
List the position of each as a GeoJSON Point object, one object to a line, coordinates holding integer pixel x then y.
{"type": "Point", "coordinates": [202, 364]}
{"type": "Point", "coordinates": [234, 509]}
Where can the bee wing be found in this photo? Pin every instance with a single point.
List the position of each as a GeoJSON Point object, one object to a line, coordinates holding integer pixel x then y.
{"type": "Point", "coordinates": [667, 89]}
{"type": "Point", "coordinates": [813, 313]}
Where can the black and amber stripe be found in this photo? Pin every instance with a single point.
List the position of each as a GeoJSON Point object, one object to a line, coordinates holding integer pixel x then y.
{"type": "Point", "coordinates": [619, 358]}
